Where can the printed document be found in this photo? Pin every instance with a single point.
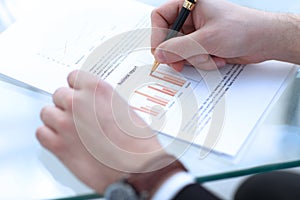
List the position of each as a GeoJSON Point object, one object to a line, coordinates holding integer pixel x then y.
{"type": "Point", "coordinates": [215, 110]}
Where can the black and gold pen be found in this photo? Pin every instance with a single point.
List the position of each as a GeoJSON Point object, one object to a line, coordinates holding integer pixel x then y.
{"type": "Point", "coordinates": [187, 7]}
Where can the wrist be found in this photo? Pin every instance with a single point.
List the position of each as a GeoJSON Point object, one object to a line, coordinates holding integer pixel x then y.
{"type": "Point", "coordinates": [144, 185]}
{"type": "Point", "coordinates": [262, 34]}
{"type": "Point", "coordinates": [284, 44]}
{"type": "Point", "coordinates": [155, 172]}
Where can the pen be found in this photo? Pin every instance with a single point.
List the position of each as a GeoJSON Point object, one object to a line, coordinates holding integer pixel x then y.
{"type": "Point", "coordinates": [187, 7]}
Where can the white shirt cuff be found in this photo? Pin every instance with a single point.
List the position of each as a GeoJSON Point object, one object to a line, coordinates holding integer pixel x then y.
{"type": "Point", "coordinates": [173, 185]}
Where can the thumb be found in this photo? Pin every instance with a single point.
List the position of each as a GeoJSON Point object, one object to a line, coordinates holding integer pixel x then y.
{"type": "Point", "coordinates": [179, 48]}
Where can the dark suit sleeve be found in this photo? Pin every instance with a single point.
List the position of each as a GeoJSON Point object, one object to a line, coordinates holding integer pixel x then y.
{"type": "Point", "coordinates": [195, 191]}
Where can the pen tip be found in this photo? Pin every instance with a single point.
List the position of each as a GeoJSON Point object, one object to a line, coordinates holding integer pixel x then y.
{"type": "Point", "coordinates": [154, 66]}
{"type": "Point", "coordinates": [151, 72]}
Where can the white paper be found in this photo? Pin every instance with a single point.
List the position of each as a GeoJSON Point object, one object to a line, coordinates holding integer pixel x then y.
{"type": "Point", "coordinates": [217, 110]}
{"type": "Point", "coordinates": [42, 49]}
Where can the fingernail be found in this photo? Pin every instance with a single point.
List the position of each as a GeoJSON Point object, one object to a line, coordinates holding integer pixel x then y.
{"type": "Point", "coordinates": [160, 55]}
{"type": "Point", "coordinates": [220, 62]}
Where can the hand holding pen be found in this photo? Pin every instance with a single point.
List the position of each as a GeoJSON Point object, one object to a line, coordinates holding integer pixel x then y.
{"type": "Point", "coordinates": [225, 30]}
{"type": "Point", "coordinates": [187, 7]}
